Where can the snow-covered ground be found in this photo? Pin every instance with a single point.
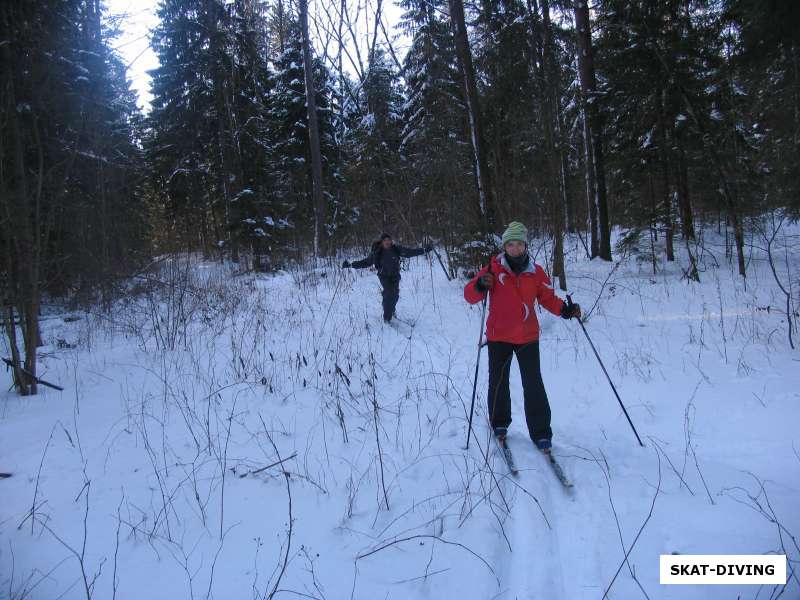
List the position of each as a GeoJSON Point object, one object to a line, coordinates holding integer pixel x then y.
{"type": "Point", "coordinates": [255, 436]}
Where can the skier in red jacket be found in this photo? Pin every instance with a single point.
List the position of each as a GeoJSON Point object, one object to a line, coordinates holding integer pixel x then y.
{"type": "Point", "coordinates": [514, 284]}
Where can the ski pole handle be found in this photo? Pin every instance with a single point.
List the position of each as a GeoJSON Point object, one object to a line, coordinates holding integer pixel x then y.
{"type": "Point", "coordinates": [570, 304]}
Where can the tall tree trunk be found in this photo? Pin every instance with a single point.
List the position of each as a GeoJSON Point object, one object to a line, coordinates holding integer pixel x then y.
{"type": "Point", "coordinates": [682, 186]}
{"type": "Point", "coordinates": [464, 54]}
{"type": "Point", "coordinates": [738, 235]}
{"type": "Point", "coordinates": [313, 127]}
{"type": "Point", "coordinates": [653, 219]}
{"type": "Point", "coordinates": [553, 185]}
{"type": "Point", "coordinates": [281, 27]}
{"type": "Point", "coordinates": [796, 94]}
{"type": "Point", "coordinates": [233, 158]}
{"type": "Point", "coordinates": [204, 240]}
{"type": "Point", "coordinates": [669, 233]}
{"type": "Point", "coordinates": [665, 146]}
{"type": "Point", "coordinates": [569, 208]}
{"type": "Point", "coordinates": [228, 179]}
{"type": "Point", "coordinates": [588, 165]}
{"type": "Point", "coordinates": [568, 216]}
{"type": "Point", "coordinates": [677, 149]}
{"type": "Point", "coordinates": [593, 127]}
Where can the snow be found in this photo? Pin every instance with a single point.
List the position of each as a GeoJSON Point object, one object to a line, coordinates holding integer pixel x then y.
{"type": "Point", "coordinates": [165, 440]}
{"type": "Point", "coordinates": [368, 122]}
{"type": "Point", "coordinates": [243, 194]}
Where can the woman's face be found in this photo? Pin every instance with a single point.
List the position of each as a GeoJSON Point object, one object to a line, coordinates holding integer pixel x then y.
{"type": "Point", "coordinates": [515, 248]}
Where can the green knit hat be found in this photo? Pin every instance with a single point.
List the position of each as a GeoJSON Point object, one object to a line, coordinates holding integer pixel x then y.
{"type": "Point", "coordinates": [515, 231]}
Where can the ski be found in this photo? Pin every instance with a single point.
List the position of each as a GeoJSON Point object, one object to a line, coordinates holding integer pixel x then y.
{"type": "Point", "coordinates": [405, 321]}
{"type": "Point", "coordinates": [399, 327]}
{"type": "Point", "coordinates": [507, 456]}
{"type": "Point", "coordinates": [559, 472]}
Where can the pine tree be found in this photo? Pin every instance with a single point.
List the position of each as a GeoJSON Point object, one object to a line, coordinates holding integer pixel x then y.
{"type": "Point", "coordinates": [247, 111]}
{"type": "Point", "coordinates": [594, 135]}
{"type": "Point", "coordinates": [69, 172]}
{"type": "Point", "coordinates": [372, 142]}
{"type": "Point", "coordinates": [212, 83]}
{"type": "Point", "coordinates": [111, 214]}
{"type": "Point", "coordinates": [486, 202]}
{"type": "Point", "coordinates": [659, 60]}
{"type": "Point", "coordinates": [181, 132]}
{"type": "Point", "coordinates": [289, 158]}
{"type": "Point", "coordinates": [505, 59]}
{"type": "Point", "coordinates": [435, 140]}
{"type": "Point", "coordinates": [761, 85]}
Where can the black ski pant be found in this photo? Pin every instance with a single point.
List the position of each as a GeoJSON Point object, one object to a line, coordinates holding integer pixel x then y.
{"type": "Point", "coordinates": [537, 408]}
{"type": "Point", "coordinates": [391, 294]}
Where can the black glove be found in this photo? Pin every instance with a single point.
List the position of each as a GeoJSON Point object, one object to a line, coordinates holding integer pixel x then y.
{"type": "Point", "coordinates": [346, 264]}
{"type": "Point", "coordinates": [427, 248]}
{"type": "Point", "coordinates": [569, 310]}
{"type": "Point", "coordinates": [485, 282]}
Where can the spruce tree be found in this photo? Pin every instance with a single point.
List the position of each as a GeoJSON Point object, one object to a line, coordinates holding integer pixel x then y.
{"type": "Point", "coordinates": [372, 142]}
{"type": "Point", "coordinates": [435, 142]}
{"type": "Point", "coordinates": [69, 166]}
{"type": "Point", "coordinates": [288, 153]}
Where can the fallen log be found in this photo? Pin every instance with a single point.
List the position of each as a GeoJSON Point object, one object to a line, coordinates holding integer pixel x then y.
{"type": "Point", "coordinates": [32, 376]}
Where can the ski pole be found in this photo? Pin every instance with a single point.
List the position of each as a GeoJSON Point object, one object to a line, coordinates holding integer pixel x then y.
{"type": "Point", "coordinates": [477, 364]}
{"type": "Point", "coordinates": [441, 263]}
{"type": "Point", "coordinates": [586, 333]}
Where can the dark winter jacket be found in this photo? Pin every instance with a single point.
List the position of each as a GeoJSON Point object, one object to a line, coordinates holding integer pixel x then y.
{"type": "Point", "coordinates": [387, 262]}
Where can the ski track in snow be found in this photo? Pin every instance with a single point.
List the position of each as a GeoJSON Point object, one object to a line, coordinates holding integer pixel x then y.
{"type": "Point", "coordinates": [702, 375]}
{"type": "Point", "coordinates": [536, 559]}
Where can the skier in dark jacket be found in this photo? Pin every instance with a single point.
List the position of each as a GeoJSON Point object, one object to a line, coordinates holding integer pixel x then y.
{"type": "Point", "coordinates": [385, 257]}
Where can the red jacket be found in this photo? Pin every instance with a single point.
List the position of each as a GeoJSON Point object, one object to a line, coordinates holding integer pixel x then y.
{"type": "Point", "coordinates": [512, 312]}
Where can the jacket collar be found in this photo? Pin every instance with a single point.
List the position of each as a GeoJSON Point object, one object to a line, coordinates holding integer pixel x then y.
{"type": "Point", "coordinates": [501, 260]}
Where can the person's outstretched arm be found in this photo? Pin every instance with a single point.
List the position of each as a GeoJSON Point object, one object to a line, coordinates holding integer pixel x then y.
{"type": "Point", "coordinates": [409, 252]}
{"type": "Point", "coordinates": [363, 263]}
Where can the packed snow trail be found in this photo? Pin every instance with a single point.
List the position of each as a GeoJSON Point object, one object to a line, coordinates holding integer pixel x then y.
{"type": "Point", "coordinates": [187, 431]}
